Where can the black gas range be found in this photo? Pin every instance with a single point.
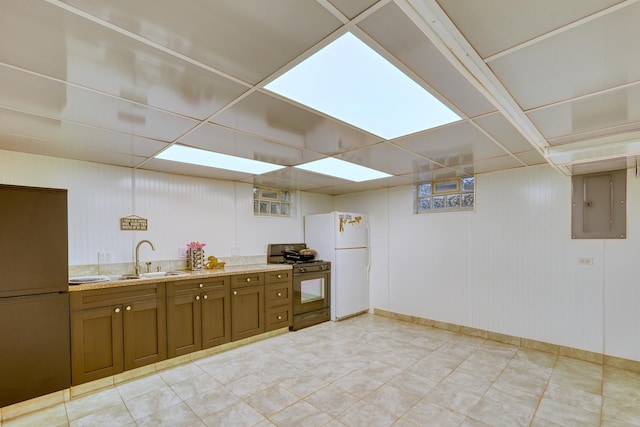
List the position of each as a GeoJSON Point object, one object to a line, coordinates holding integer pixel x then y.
{"type": "Point", "coordinates": [311, 284]}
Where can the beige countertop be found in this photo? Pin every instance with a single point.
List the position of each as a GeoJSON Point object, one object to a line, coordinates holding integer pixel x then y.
{"type": "Point", "coordinates": [188, 274]}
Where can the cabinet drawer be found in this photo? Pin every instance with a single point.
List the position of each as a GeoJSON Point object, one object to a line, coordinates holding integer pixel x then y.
{"type": "Point", "coordinates": [194, 285]}
{"type": "Point", "coordinates": [278, 294]}
{"type": "Point", "coordinates": [278, 318]}
{"type": "Point", "coordinates": [250, 279]}
{"type": "Point", "coordinates": [279, 276]}
{"type": "Point", "coordinates": [82, 300]}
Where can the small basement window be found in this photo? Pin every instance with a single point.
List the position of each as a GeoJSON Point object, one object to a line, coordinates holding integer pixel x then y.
{"type": "Point", "coordinates": [271, 202]}
{"type": "Point", "coordinates": [599, 205]}
{"type": "Point", "coordinates": [450, 195]}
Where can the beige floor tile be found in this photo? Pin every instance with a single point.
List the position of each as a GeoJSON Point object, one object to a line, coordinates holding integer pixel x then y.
{"type": "Point", "coordinates": [566, 414]}
{"type": "Point", "coordinates": [380, 371]}
{"type": "Point", "coordinates": [333, 400]}
{"type": "Point", "coordinates": [152, 402]}
{"type": "Point", "coordinates": [271, 400]}
{"type": "Point", "coordinates": [358, 383]}
{"type": "Point", "coordinates": [91, 403]}
{"type": "Point", "coordinates": [425, 413]}
{"type": "Point", "coordinates": [180, 373]}
{"type": "Point", "coordinates": [248, 385]}
{"type": "Point", "coordinates": [304, 385]}
{"type": "Point", "coordinates": [300, 414]}
{"type": "Point", "coordinates": [54, 416]}
{"type": "Point", "coordinates": [392, 399]}
{"type": "Point", "coordinates": [179, 415]}
{"type": "Point", "coordinates": [237, 415]}
{"type": "Point", "coordinates": [498, 408]}
{"type": "Point", "coordinates": [453, 397]}
{"type": "Point", "coordinates": [134, 388]}
{"type": "Point", "coordinates": [113, 415]}
{"type": "Point", "coordinates": [579, 374]}
{"type": "Point", "coordinates": [415, 384]}
{"type": "Point", "coordinates": [193, 386]}
{"type": "Point", "coordinates": [364, 414]}
{"type": "Point", "coordinates": [211, 401]}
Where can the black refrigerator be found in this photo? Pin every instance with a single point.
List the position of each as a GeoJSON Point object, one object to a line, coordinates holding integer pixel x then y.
{"type": "Point", "coordinates": [34, 299]}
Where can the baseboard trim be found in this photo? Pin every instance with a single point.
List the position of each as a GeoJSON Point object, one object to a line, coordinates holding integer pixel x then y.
{"type": "Point", "coordinates": [574, 353]}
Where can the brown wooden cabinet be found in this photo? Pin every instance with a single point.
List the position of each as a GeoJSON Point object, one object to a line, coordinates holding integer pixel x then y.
{"type": "Point", "coordinates": [247, 305]}
{"type": "Point", "coordinates": [116, 329]}
{"type": "Point", "coordinates": [278, 300]}
{"type": "Point", "coordinates": [198, 314]}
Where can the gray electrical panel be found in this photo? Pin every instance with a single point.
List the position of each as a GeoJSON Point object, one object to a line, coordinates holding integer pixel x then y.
{"type": "Point", "coordinates": [599, 205]}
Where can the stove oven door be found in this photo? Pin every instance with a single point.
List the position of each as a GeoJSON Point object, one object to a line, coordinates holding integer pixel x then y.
{"type": "Point", "coordinates": [310, 292]}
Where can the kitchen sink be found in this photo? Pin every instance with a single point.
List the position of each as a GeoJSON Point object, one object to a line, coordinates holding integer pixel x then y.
{"type": "Point", "coordinates": [155, 274]}
{"type": "Point", "coordinates": [162, 274]}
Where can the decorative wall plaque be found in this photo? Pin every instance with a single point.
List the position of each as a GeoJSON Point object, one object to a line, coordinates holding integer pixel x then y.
{"type": "Point", "coordinates": [133, 222]}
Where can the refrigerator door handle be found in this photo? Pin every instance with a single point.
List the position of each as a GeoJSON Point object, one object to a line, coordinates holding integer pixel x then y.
{"type": "Point", "coordinates": [368, 251]}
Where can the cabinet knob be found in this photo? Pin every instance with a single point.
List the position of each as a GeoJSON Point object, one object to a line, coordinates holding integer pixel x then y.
{"type": "Point", "coordinates": [128, 308]}
{"type": "Point", "coordinates": [279, 276]}
{"type": "Point", "coordinates": [279, 294]}
{"type": "Point", "coordinates": [279, 317]}
{"type": "Point", "coordinates": [248, 279]}
{"type": "Point", "coordinates": [117, 310]}
{"type": "Point", "coordinates": [235, 292]}
{"type": "Point", "coordinates": [201, 285]}
{"type": "Point", "coordinates": [197, 297]}
{"type": "Point", "coordinates": [205, 297]}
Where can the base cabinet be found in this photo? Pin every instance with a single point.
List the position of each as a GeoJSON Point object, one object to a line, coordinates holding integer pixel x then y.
{"type": "Point", "coordinates": [278, 301]}
{"type": "Point", "coordinates": [199, 315]}
{"type": "Point", "coordinates": [121, 328]}
{"type": "Point", "coordinates": [247, 305]}
{"type": "Point", "coordinates": [113, 330]}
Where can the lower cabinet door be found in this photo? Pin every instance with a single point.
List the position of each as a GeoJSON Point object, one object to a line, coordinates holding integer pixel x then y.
{"type": "Point", "coordinates": [184, 325]}
{"type": "Point", "coordinates": [145, 333]}
{"type": "Point", "coordinates": [247, 312]}
{"type": "Point", "coordinates": [97, 344]}
{"type": "Point", "coordinates": [216, 318]}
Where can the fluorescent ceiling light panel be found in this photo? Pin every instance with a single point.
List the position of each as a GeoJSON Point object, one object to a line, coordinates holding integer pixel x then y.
{"type": "Point", "coordinates": [341, 169]}
{"type": "Point", "coordinates": [196, 156]}
{"type": "Point", "coordinates": [351, 82]}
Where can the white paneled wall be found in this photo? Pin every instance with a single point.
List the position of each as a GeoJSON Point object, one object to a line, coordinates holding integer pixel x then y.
{"type": "Point", "coordinates": [511, 266]}
{"type": "Point", "coordinates": [180, 209]}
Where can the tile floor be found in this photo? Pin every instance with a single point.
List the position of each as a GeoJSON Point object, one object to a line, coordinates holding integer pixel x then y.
{"type": "Point", "coordinates": [365, 371]}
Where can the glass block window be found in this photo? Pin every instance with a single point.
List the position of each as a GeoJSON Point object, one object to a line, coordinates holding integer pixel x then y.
{"type": "Point", "coordinates": [271, 202]}
{"type": "Point", "coordinates": [456, 194]}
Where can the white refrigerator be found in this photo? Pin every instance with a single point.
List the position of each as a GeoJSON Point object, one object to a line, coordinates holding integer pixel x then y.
{"type": "Point", "coordinates": [343, 239]}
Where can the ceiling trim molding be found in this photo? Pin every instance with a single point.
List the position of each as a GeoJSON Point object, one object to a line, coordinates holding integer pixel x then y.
{"type": "Point", "coordinates": [437, 26]}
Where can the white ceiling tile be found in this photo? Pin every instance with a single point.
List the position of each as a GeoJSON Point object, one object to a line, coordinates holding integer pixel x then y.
{"type": "Point", "coordinates": [597, 55]}
{"type": "Point", "coordinates": [352, 8]}
{"type": "Point", "coordinates": [193, 170]}
{"type": "Point", "coordinates": [41, 96]}
{"type": "Point", "coordinates": [277, 120]}
{"type": "Point", "coordinates": [248, 39]}
{"type": "Point", "coordinates": [388, 158]}
{"type": "Point", "coordinates": [492, 26]}
{"type": "Point", "coordinates": [496, 164]}
{"type": "Point", "coordinates": [604, 111]}
{"type": "Point", "coordinates": [67, 151]}
{"type": "Point", "coordinates": [396, 33]}
{"type": "Point", "coordinates": [499, 128]}
{"type": "Point", "coordinates": [74, 134]}
{"type": "Point", "coordinates": [452, 145]}
{"type": "Point", "coordinates": [71, 48]}
{"type": "Point", "coordinates": [227, 141]}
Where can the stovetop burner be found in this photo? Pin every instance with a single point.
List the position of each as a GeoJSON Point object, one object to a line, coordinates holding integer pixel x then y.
{"type": "Point", "coordinates": [275, 255]}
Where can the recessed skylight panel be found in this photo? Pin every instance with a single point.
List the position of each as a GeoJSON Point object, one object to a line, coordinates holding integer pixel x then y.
{"type": "Point", "coordinates": [196, 156]}
{"type": "Point", "coordinates": [351, 82]}
{"type": "Point", "coordinates": [341, 169]}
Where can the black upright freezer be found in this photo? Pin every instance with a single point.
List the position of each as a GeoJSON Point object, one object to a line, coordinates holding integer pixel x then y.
{"type": "Point", "coordinates": [34, 299]}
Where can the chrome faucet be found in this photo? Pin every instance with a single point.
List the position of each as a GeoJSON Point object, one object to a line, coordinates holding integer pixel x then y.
{"type": "Point", "coordinates": [138, 254]}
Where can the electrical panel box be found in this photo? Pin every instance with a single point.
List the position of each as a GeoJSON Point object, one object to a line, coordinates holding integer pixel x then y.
{"type": "Point", "coordinates": [599, 205]}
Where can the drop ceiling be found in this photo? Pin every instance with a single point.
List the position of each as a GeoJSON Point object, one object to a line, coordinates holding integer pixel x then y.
{"type": "Point", "coordinates": [119, 81]}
